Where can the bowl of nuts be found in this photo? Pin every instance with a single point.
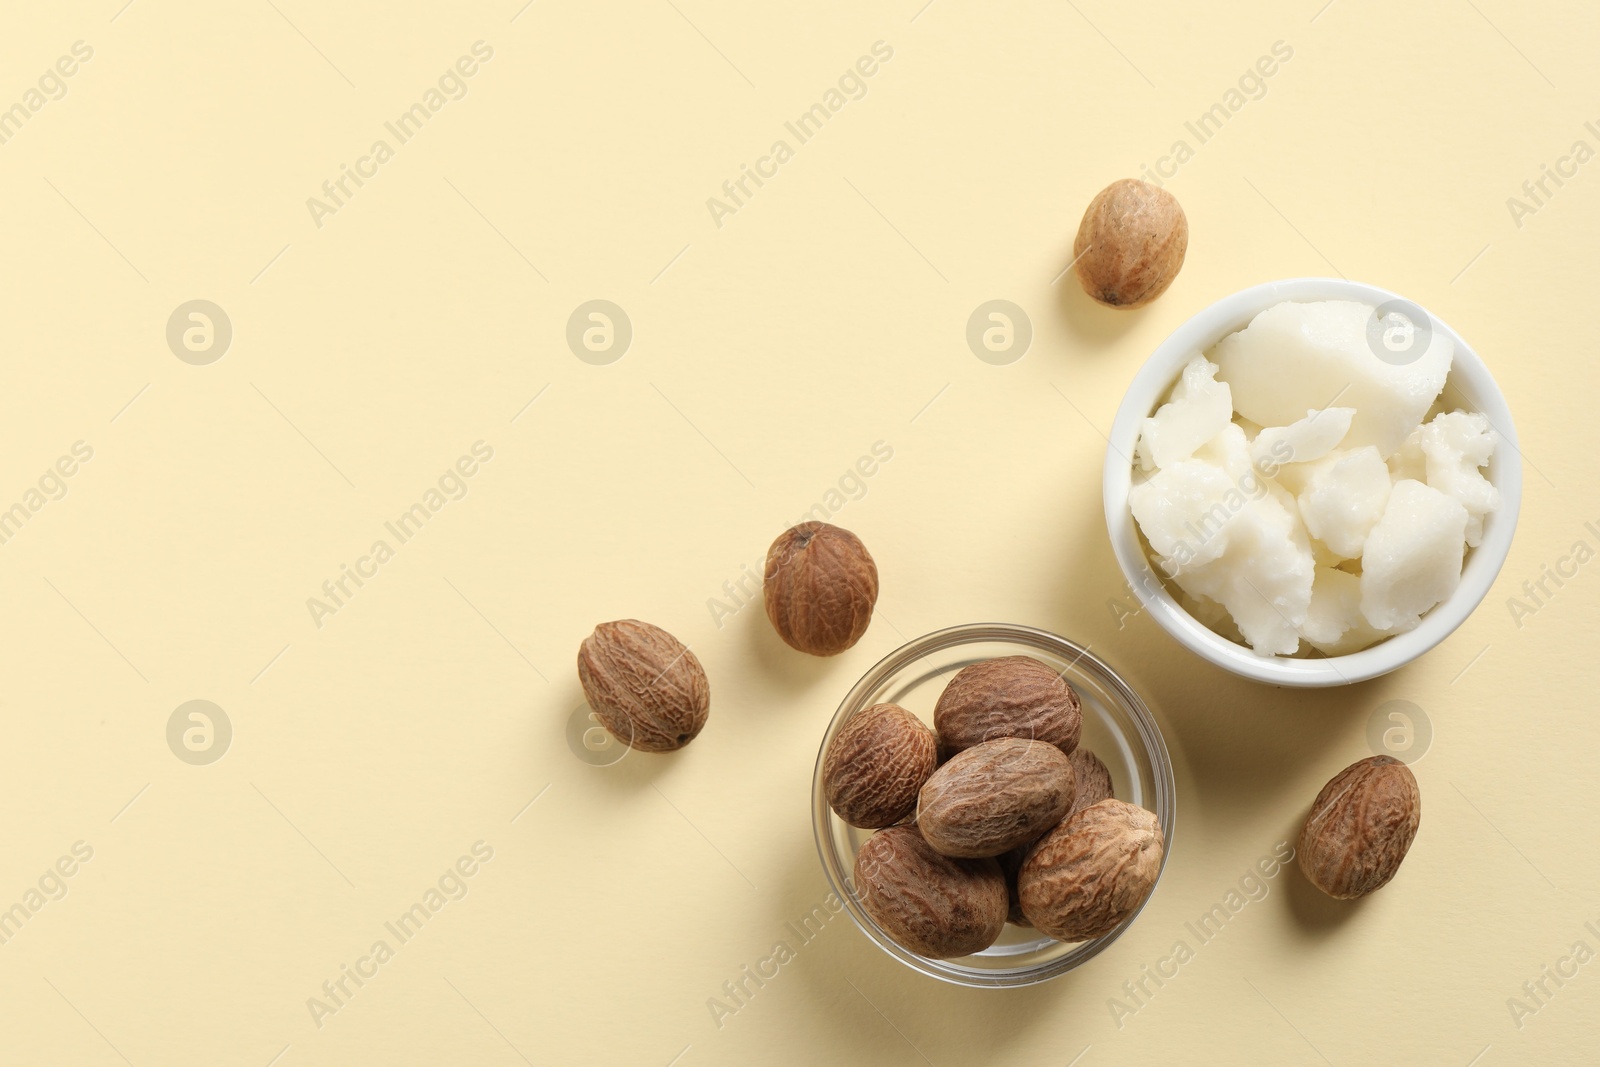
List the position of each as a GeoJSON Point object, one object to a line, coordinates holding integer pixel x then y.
{"type": "Point", "coordinates": [993, 805]}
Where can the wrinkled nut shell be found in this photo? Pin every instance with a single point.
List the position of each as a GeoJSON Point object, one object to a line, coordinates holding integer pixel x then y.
{"type": "Point", "coordinates": [876, 764]}
{"type": "Point", "coordinates": [645, 686]}
{"type": "Point", "coordinates": [995, 796]}
{"type": "Point", "coordinates": [1094, 780]}
{"type": "Point", "coordinates": [1094, 785]}
{"type": "Point", "coordinates": [1092, 872]}
{"type": "Point", "coordinates": [820, 587]}
{"type": "Point", "coordinates": [930, 904]}
{"type": "Point", "coordinates": [1130, 244]}
{"type": "Point", "coordinates": [1013, 696]}
{"type": "Point", "coordinates": [1360, 828]}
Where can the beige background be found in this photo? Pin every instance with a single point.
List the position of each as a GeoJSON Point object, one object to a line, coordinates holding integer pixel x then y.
{"type": "Point", "coordinates": [768, 355]}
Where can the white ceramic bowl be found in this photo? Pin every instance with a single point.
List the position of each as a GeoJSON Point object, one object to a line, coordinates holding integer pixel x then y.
{"type": "Point", "coordinates": [1469, 383]}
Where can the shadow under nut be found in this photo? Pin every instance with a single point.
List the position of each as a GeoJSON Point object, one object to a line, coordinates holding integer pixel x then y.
{"type": "Point", "coordinates": [1092, 872]}
{"type": "Point", "coordinates": [933, 905]}
{"type": "Point", "coordinates": [995, 796]}
{"type": "Point", "coordinates": [876, 764]}
{"type": "Point", "coordinates": [1012, 696]}
{"type": "Point", "coordinates": [645, 686]}
{"type": "Point", "coordinates": [1011, 866]}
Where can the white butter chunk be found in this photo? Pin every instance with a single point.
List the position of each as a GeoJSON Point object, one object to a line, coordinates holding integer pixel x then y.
{"type": "Point", "coordinates": [1298, 357]}
{"type": "Point", "coordinates": [1412, 558]}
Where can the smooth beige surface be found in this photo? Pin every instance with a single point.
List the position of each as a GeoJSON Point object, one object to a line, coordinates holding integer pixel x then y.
{"type": "Point", "coordinates": [430, 711]}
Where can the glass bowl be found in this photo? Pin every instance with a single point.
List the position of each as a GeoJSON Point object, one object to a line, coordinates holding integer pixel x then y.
{"type": "Point", "coordinates": [1116, 726]}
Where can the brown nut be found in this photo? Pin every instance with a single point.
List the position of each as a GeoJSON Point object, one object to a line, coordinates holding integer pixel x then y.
{"type": "Point", "coordinates": [1013, 696]}
{"type": "Point", "coordinates": [1092, 872]}
{"type": "Point", "coordinates": [645, 686]}
{"type": "Point", "coordinates": [1130, 244]}
{"type": "Point", "coordinates": [995, 796]}
{"type": "Point", "coordinates": [820, 587]}
{"type": "Point", "coordinates": [1360, 827]}
{"type": "Point", "coordinates": [1094, 780]}
{"type": "Point", "coordinates": [875, 765]}
{"type": "Point", "coordinates": [1094, 785]}
{"type": "Point", "coordinates": [931, 904]}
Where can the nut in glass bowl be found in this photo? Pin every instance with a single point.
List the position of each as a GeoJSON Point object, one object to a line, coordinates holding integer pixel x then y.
{"type": "Point", "coordinates": [1116, 726]}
